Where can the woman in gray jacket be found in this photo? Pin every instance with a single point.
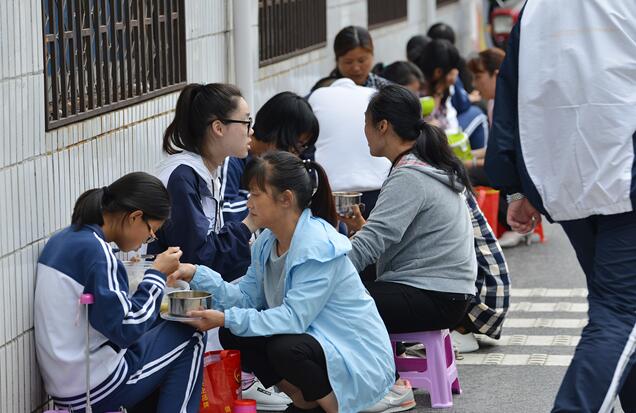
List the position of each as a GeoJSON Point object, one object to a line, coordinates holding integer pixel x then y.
{"type": "Point", "coordinates": [419, 233]}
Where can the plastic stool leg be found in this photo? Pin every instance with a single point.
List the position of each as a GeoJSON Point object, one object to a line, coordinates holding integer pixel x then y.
{"type": "Point", "coordinates": [441, 395]}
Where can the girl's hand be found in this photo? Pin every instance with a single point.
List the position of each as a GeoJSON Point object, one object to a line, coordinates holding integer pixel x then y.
{"type": "Point", "coordinates": [168, 261]}
{"type": "Point", "coordinates": [208, 319]}
{"type": "Point", "coordinates": [355, 221]}
{"type": "Point", "coordinates": [249, 223]}
{"type": "Point", "coordinates": [185, 272]}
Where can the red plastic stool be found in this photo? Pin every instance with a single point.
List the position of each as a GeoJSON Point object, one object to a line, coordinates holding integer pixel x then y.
{"type": "Point", "coordinates": [488, 201]}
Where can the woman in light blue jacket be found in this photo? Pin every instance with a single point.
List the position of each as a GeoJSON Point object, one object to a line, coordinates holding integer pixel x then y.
{"type": "Point", "coordinates": [300, 316]}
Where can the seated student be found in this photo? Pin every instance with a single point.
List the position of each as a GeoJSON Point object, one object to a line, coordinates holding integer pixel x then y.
{"type": "Point", "coordinates": [415, 45]}
{"type": "Point", "coordinates": [406, 74]}
{"type": "Point", "coordinates": [341, 147]}
{"type": "Point", "coordinates": [130, 354]}
{"type": "Point", "coordinates": [353, 47]}
{"type": "Point", "coordinates": [293, 314]}
{"type": "Point", "coordinates": [211, 122]}
{"type": "Point", "coordinates": [488, 307]}
{"type": "Point", "coordinates": [420, 232]}
{"type": "Point", "coordinates": [285, 122]}
{"type": "Point", "coordinates": [439, 61]}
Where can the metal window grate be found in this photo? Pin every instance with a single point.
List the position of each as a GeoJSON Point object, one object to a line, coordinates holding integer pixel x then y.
{"type": "Point", "coordinates": [102, 55]}
{"type": "Point", "coordinates": [290, 27]}
{"type": "Point", "coordinates": [383, 12]}
{"type": "Point", "coordinates": [440, 3]}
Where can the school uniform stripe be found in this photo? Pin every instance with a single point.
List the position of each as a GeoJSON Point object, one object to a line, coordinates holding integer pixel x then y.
{"type": "Point", "coordinates": [194, 372]}
{"type": "Point", "coordinates": [161, 362]}
{"type": "Point", "coordinates": [113, 285]}
{"type": "Point", "coordinates": [154, 283]}
{"type": "Point", "coordinates": [235, 209]}
{"type": "Point", "coordinates": [147, 310]}
{"type": "Point", "coordinates": [97, 394]}
{"type": "Point", "coordinates": [628, 351]}
{"type": "Point", "coordinates": [235, 204]}
{"type": "Point", "coordinates": [477, 121]}
{"type": "Point", "coordinates": [151, 276]}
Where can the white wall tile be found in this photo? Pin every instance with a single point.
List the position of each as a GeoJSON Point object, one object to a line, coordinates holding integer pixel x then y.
{"type": "Point", "coordinates": [10, 25]}
{"type": "Point", "coordinates": [3, 321]}
{"type": "Point", "coordinates": [4, 388]}
{"type": "Point", "coordinates": [13, 293]}
{"type": "Point", "coordinates": [5, 215]}
{"type": "Point", "coordinates": [14, 208]}
{"type": "Point", "coordinates": [4, 125]}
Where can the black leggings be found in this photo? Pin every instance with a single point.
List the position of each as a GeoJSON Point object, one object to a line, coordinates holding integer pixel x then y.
{"type": "Point", "coordinates": [297, 358]}
{"type": "Point", "coordinates": [406, 309]}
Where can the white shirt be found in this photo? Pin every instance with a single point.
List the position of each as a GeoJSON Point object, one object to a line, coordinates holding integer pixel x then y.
{"type": "Point", "coordinates": [342, 147]}
{"type": "Point", "coordinates": [577, 104]}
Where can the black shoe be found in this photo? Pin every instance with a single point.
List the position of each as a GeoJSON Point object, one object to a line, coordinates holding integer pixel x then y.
{"type": "Point", "coordinates": [294, 409]}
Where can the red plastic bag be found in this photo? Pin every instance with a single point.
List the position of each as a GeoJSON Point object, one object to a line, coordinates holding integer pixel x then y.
{"type": "Point", "coordinates": [221, 381]}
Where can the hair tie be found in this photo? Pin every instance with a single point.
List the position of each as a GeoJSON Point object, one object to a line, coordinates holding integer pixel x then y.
{"type": "Point", "coordinates": [196, 91]}
{"type": "Point", "coordinates": [420, 124]}
{"type": "Point", "coordinates": [310, 171]}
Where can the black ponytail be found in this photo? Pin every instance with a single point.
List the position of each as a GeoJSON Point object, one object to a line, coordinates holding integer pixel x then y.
{"type": "Point", "coordinates": [132, 192]}
{"type": "Point", "coordinates": [306, 179]}
{"type": "Point", "coordinates": [198, 105]}
{"type": "Point", "coordinates": [322, 203]}
{"type": "Point", "coordinates": [402, 109]}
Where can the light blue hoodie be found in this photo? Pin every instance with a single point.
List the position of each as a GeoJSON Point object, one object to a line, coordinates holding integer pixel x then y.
{"type": "Point", "coordinates": [324, 297]}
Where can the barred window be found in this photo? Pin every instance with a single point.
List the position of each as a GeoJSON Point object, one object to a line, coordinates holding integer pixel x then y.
{"type": "Point", "coordinates": [288, 28]}
{"type": "Point", "coordinates": [102, 55]}
{"type": "Point", "coordinates": [440, 3]}
{"type": "Point", "coordinates": [383, 12]}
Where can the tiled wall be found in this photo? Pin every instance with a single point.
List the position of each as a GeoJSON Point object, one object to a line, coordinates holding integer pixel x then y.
{"type": "Point", "coordinates": [42, 173]}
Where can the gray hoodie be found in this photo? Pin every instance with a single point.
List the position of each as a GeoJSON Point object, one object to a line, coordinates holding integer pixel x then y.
{"type": "Point", "coordinates": [419, 232]}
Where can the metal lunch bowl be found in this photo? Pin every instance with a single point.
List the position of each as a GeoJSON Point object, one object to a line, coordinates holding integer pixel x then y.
{"type": "Point", "coordinates": [345, 201]}
{"type": "Point", "coordinates": [181, 302]}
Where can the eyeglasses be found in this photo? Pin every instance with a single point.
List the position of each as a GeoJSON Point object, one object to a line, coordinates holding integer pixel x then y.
{"type": "Point", "coordinates": [247, 122]}
{"type": "Point", "coordinates": [152, 237]}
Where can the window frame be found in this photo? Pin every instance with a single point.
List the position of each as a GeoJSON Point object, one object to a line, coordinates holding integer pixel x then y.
{"type": "Point", "coordinates": [137, 53]}
{"type": "Point", "coordinates": [279, 22]}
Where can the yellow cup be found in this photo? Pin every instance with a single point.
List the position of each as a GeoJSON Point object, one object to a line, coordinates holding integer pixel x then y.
{"type": "Point", "coordinates": [428, 105]}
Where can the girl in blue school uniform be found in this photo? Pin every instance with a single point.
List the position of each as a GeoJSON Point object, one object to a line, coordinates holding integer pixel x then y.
{"type": "Point", "coordinates": [294, 312]}
{"type": "Point", "coordinates": [131, 356]}
{"type": "Point", "coordinates": [286, 122]}
{"type": "Point", "coordinates": [211, 123]}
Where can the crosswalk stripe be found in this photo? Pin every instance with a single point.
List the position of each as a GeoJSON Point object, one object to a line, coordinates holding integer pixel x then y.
{"type": "Point", "coordinates": [548, 292]}
{"type": "Point", "coordinates": [545, 322]}
{"type": "Point", "coordinates": [524, 340]}
{"type": "Point", "coordinates": [529, 307]}
{"type": "Point", "coordinates": [500, 359]}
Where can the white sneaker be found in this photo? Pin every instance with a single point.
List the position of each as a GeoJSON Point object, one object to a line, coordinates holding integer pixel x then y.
{"type": "Point", "coordinates": [398, 399]}
{"type": "Point", "coordinates": [511, 239]}
{"type": "Point", "coordinates": [465, 343]}
{"type": "Point", "coordinates": [416, 350]}
{"type": "Point", "coordinates": [266, 399]}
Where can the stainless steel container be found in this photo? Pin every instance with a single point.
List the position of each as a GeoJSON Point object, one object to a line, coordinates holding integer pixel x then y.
{"type": "Point", "coordinates": [180, 302]}
{"type": "Point", "coordinates": [345, 200]}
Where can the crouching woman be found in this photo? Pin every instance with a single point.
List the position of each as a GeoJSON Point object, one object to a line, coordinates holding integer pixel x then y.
{"type": "Point", "coordinates": [301, 315]}
{"type": "Point", "coordinates": [131, 356]}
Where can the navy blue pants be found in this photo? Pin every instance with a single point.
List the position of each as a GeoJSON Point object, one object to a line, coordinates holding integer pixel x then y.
{"type": "Point", "coordinates": [166, 361]}
{"type": "Point", "coordinates": [604, 361]}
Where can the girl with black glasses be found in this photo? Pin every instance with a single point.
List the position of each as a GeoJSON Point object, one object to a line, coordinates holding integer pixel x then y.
{"type": "Point", "coordinates": [211, 122]}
